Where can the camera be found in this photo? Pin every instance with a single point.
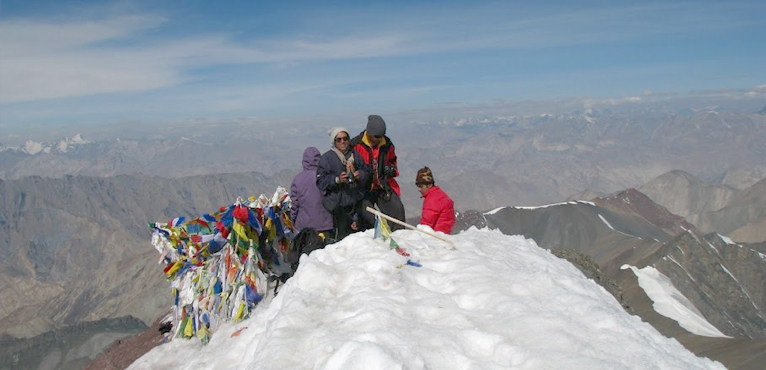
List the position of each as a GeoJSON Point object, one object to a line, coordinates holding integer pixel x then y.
{"type": "Point", "coordinates": [351, 180]}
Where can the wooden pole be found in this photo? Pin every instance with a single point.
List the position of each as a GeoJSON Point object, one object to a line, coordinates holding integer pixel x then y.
{"type": "Point", "coordinates": [387, 217]}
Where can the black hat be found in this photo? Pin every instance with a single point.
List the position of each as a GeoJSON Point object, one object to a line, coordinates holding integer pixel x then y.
{"type": "Point", "coordinates": [376, 126]}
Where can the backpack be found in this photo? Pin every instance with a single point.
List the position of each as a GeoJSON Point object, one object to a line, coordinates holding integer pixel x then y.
{"type": "Point", "coordinates": [307, 241]}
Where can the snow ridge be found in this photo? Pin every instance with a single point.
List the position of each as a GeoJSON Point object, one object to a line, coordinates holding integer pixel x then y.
{"type": "Point", "coordinates": [496, 302]}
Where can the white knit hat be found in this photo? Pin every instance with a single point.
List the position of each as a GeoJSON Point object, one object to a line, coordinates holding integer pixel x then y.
{"type": "Point", "coordinates": [335, 131]}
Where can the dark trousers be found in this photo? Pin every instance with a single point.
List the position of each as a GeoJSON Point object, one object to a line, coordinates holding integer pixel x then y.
{"type": "Point", "coordinates": [343, 217]}
{"type": "Point", "coordinates": [391, 206]}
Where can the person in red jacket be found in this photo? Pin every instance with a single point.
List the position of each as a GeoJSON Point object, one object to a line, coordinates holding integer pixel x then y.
{"type": "Point", "coordinates": [438, 208]}
{"type": "Point", "coordinates": [378, 153]}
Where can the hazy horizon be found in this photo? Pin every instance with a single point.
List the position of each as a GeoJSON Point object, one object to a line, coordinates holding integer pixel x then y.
{"type": "Point", "coordinates": [743, 101]}
{"type": "Point", "coordinates": [139, 63]}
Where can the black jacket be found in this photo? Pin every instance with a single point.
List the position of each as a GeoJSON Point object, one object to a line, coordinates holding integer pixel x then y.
{"type": "Point", "coordinates": [345, 195]}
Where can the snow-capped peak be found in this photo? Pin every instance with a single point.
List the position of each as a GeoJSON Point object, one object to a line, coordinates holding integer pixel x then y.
{"type": "Point", "coordinates": [32, 147]}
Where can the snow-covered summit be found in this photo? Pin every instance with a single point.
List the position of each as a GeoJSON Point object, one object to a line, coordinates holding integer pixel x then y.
{"type": "Point", "coordinates": [62, 146]}
{"type": "Point", "coordinates": [495, 302]}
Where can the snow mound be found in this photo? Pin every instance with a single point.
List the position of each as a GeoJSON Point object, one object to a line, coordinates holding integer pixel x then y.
{"type": "Point", "coordinates": [496, 302]}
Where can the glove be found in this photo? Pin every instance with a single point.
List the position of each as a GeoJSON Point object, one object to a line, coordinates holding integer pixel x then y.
{"type": "Point", "coordinates": [389, 171]}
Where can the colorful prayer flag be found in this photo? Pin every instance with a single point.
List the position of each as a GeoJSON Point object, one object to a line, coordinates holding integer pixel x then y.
{"type": "Point", "coordinates": [382, 230]}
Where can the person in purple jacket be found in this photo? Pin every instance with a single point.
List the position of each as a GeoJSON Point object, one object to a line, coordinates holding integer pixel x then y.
{"type": "Point", "coordinates": [307, 210]}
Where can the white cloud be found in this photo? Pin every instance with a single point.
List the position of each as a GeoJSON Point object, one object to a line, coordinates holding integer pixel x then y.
{"type": "Point", "coordinates": [51, 58]}
{"type": "Point", "coordinates": [43, 60]}
{"type": "Point", "coordinates": [86, 73]}
{"type": "Point", "coordinates": [25, 38]}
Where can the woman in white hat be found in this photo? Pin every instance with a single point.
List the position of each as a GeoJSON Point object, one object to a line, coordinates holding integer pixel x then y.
{"type": "Point", "coordinates": [342, 177]}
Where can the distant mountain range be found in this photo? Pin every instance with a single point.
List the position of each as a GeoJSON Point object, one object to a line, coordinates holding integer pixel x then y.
{"type": "Point", "coordinates": [655, 187]}
{"type": "Point", "coordinates": [482, 159]}
{"type": "Point", "coordinates": [736, 213]}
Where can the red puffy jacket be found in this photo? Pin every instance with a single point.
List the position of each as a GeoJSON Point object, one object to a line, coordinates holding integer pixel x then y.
{"type": "Point", "coordinates": [438, 210]}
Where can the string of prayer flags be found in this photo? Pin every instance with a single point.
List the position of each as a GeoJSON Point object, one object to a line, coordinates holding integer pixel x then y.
{"type": "Point", "coordinates": [218, 264]}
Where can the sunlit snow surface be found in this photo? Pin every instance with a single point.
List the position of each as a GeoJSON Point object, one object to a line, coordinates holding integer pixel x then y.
{"type": "Point", "coordinates": [671, 303]}
{"type": "Point", "coordinates": [605, 222]}
{"type": "Point", "coordinates": [496, 302]}
{"type": "Point", "coordinates": [726, 239]}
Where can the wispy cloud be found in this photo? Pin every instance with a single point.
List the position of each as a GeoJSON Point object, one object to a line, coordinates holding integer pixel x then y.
{"type": "Point", "coordinates": [40, 37]}
{"type": "Point", "coordinates": [43, 60]}
{"type": "Point", "coordinates": [64, 57]}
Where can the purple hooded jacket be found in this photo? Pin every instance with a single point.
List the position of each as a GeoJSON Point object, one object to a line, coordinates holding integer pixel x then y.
{"type": "Point", "coordinates": [307, 209]}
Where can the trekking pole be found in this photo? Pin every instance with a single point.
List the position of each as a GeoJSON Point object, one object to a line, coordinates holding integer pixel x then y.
{"type": "Point", "coordinates": [387, 217]}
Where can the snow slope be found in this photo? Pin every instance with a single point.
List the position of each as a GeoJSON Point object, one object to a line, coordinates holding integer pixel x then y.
{"type": "Point", "coordinates": [496, 302]}
{"type": "Point", "coordinates": [671, 303]}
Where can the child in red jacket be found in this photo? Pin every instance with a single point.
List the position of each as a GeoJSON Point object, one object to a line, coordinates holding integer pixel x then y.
{"type": "Point", "coordinates": [438, 208]}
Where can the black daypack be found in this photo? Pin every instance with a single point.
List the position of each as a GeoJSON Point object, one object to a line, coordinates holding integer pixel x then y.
{"type": "Point", "coordinates": [307, 241]}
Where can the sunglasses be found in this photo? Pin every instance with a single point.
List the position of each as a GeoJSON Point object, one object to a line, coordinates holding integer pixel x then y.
{"type": "Point", "coordinates": [377, 136]}
{"type": "Point", "coordinates": [339, 139]}
{"type": "Point", "coordinates": [420, 184]}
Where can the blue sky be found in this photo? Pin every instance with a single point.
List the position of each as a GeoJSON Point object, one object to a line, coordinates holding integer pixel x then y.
{"type": "Point", "coordinates": [74, 62]}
